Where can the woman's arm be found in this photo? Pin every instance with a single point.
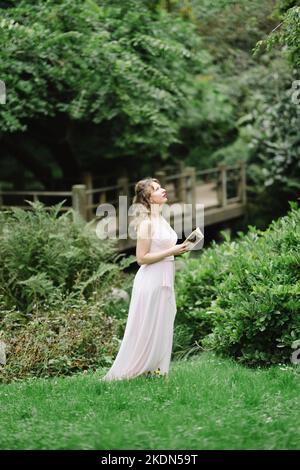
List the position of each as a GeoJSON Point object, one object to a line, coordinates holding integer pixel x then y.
{"type": "Point", "coordinates": [143, 246]}
{"type": "Point", "coordinates": [144, 257]}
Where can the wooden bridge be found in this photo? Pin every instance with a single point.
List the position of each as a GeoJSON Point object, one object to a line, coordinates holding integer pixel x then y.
{"type": "Point", "coordinates": [222, 191]}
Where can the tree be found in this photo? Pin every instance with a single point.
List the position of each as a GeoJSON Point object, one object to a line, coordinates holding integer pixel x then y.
{"type": "Point", "coordinates": [287, 32]}
{"type": "Point", "coordinates": [102, 69]}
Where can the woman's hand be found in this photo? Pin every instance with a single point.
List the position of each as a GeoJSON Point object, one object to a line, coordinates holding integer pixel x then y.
{"type": "Point", "coordinates": [181, 248]}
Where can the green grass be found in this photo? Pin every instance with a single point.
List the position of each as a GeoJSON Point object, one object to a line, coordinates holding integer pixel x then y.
{"type": "Point", "coordinates": [206, 403]}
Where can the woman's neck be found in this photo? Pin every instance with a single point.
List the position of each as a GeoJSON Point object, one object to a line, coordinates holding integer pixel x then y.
{"type": "Point", "coordinates": [156, 210]}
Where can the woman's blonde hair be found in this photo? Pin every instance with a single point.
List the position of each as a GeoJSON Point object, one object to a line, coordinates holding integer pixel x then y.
{"type": "Point", "coordinates": [141, 200]}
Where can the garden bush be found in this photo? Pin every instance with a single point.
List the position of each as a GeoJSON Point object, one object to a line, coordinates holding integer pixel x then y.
{"type": "Point", "coordinates": [46, 256]}
{"type": "Point", "coordinates": [72, 338]}
{"type": "Point", "coordinates": [196, 288]}
{"type": "Point", "coordinates": [242, 298]}
{"type": "Point", "coordinates": [56, 278]}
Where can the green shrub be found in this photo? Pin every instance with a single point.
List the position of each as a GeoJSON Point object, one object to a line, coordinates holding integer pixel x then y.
{"type": "Point", "coordinates": [196, 287]}
{"type": "Point", "coordinates": [70, 339]}
{"type": "Point", "coordinates": [55, 282]}
{"type": "Point", "coordinates": [45, 257]}
{"type": "Point", "coordinates": [244, 300]}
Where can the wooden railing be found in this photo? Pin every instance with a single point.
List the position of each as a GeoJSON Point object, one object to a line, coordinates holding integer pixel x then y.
{"type": "Point", "coordinates": [227, 182]}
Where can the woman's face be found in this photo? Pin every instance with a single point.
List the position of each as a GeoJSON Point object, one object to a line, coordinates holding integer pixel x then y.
{"type": "Point", "coordinates": [158, 195]}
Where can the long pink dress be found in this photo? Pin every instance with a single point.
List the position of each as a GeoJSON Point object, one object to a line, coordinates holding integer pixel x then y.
{"type": "Point", "coordinates": [148, 337]}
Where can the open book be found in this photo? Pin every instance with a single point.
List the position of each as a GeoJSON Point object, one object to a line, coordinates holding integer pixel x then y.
{"type": "Point", "coordinates": [195, 237]}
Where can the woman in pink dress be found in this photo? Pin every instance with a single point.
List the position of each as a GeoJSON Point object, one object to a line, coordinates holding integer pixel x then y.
{"type": "Point", "coordinates": [147, 342]}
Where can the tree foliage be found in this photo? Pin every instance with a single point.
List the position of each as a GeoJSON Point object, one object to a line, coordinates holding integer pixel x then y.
{"type": "Point", "coordinates": [99, 62]}
{"type": "Point", "coordinates": [287, 32]}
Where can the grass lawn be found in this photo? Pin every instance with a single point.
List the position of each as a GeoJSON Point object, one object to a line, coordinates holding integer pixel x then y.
{"type": "Point", "coordinates": [206, 403]}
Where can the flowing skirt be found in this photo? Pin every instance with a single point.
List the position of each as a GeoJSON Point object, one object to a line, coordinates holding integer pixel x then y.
{"type": "Point", "coordinates": [148, 337]}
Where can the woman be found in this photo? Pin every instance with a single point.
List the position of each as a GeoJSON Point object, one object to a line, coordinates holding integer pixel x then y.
{"type": "Point", "coordinates": [147, 343]}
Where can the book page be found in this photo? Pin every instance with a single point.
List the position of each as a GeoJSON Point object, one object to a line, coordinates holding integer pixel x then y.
{"type": "Point", "coordinates": [194, 238]}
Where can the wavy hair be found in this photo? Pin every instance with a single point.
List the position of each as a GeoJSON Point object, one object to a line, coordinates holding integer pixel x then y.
{"type": "Point", "coordinates": [141, 199]}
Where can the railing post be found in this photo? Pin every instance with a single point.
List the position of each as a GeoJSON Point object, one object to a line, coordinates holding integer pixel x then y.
{"type": "Point", "coordinates": [181, 183]}
{"type": "Point", "coordinates": [242, 182]}
{"type": "Point", "coordinates": [87, 180]}
{"type": "Point", "coordinates": [79, 200]}
{"type": "Point", "coordinates": [123, 184]}
{"type": "Point", "coordinates": [123, 190]}
{"type": "Point", "coordinates": [102, 197]}
{"type": "Point", "coordinates": [222, 185]}
{"type": "Point", "coordinates": [190, 176]}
